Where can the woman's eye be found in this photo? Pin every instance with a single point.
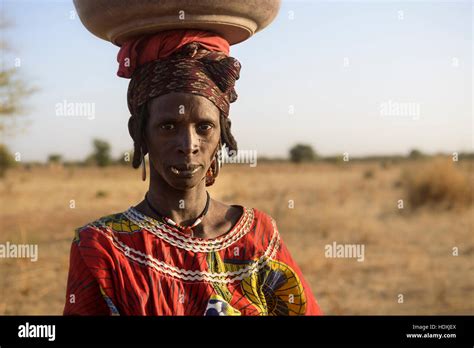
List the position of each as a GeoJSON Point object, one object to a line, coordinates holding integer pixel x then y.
{"type": "Point", "coordinates": [205, 126]}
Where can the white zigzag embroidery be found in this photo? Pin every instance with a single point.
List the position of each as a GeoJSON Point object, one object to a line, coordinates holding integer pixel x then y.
{"type": "Point", "coordinates": [192, 244]}
{"type": "Point", "coordinates": [221, 277]}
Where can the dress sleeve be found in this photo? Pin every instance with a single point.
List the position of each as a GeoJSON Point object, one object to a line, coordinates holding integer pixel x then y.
{"type": "Point", "coordinates": [83, 294]}
{"type": "Point", "coordinates": [312, 307]}
{"type": "Point", "coordinates": [292, 286]}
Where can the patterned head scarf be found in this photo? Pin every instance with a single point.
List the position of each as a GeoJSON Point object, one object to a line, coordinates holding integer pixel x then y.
{"type": "Point", "coordinates": [190, 69]}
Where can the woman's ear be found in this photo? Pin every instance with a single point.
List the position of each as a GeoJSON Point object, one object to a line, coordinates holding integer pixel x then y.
{"type": "Point", "coordinates": [143, 127]}
{"type": "Point", "coordinates": [137, 128]}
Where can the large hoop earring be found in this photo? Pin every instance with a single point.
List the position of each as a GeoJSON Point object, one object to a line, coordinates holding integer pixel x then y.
{"type": "Point", "coordinates": [210, 178]}
{"type": "Point", "coordinates": [218, 160]}
{"type": "Point", "coordinates": [214, 169]}
{"type": "Point", "coordinates": [143, 167]}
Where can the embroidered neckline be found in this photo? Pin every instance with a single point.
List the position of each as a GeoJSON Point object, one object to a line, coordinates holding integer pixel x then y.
{"type": "Point", "coordinates": [162, 231]}
{"type": "Point", "coordinates": [197, 275]}
{"type": "Point", "coordinates": [196, 244]}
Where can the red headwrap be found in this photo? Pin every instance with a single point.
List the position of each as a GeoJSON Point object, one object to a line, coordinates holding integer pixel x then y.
{"type": "Point", "coordinates": [137, 52]}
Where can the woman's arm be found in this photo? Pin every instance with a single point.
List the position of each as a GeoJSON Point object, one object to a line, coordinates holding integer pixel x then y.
{"type": "Point", "coordinates": [83, 294]}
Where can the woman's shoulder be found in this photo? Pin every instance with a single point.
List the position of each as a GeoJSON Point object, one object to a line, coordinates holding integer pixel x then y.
{"type": "Point", "coordinates": [263, 228]}
{"type": "Point", "coordinates": [247, 220]}
{"type": "Point", "coordinates": [117, 222]}
{"type": "Point", "coordinates": [264, 219]}
{"type": "Point", "coordinates": [260, 221]}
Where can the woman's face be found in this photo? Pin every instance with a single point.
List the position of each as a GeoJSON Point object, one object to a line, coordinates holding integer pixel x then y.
{"type": "Point", "coordinates": [182, 135]}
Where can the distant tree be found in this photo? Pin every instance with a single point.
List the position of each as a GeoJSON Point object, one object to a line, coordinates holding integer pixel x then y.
{"type": "Point", "coordinates": [101, 155]}
{"type": "Point", "coordinates": [466, 156]}
{"type": "Point", "coordinates": [13, 91]}
{"type": "Point", "coordinates": [415, 154]}
{"type": "Point", "coordinates": [6, 160]}
{"type": "Point", "coordinates": [302, 153]}
{"type": "Point", "coordinates": [55, 158]}
{"type": "Point", "coordinates": [89, 161]}
{"type": "Point", "coordinates": [13, 88]}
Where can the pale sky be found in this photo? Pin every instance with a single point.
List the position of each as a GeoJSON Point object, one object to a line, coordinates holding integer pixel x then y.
{"type": "Point", "coordinates": [362, 77]}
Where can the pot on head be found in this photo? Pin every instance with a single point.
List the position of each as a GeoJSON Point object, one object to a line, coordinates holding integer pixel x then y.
{"type": "Point", "coordinates": [119, 20]}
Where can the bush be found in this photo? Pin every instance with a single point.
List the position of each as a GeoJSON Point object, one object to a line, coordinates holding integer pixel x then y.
{"type": "Point", "coordinates": [302, 153]}
{"type": "Point", "coordinates": [101, 154]}
{"type": "Point", "coordinates": [6, 160]}
{"type": "Point", "coordinates": [437, 183]}
{"type": "Point", "coordinates": [368, 174]}
{"type": "Point", "coordinates": [55, 158]}
{"type": "Point", "coordinates": [101, 194]}
{"type": "Point", "coordinates": [415, 154]}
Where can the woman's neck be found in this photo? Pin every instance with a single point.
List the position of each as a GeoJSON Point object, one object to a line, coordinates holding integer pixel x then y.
{"type": "Point", "coordinates": [182, 206]}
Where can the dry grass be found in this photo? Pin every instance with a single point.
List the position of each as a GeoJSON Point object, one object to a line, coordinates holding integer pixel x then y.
{"type": "Point", "coordinates": [437, 183]}
{"type": "Point", "coordinates": [409, 254]}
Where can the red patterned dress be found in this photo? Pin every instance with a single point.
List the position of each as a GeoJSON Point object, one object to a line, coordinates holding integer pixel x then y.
{"type": "Point", "coordinates": [132, 264]}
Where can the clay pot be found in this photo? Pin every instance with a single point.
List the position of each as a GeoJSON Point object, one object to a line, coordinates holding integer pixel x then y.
{"type": "Point", "coordinates": [119, 20]}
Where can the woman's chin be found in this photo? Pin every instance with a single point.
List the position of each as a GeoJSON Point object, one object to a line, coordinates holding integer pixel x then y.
{"type": "Point", "coordinates": [184, 183]}
{"type": "Point", "coordinates": [184, 180]}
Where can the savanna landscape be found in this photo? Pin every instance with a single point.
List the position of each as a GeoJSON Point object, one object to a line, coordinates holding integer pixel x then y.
{"type": "Point", "coordinates": [414, 217]}
{"type": "Point", "coordinates": [369, 77]}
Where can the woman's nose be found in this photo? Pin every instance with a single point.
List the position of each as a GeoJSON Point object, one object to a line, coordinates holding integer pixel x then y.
{"type": "Point", "coordinates": [189, 142]}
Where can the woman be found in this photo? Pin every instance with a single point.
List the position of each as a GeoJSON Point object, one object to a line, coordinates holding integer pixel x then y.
{"type": "Point", "coordinates": [180, 252]}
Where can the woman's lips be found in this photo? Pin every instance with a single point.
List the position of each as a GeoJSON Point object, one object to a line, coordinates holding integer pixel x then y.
{"type": "Point", "coordinates": [187, 171]}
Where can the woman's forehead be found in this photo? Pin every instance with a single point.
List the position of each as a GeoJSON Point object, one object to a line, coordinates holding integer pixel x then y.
{"type": "Point", "coordinates": [181, 103]}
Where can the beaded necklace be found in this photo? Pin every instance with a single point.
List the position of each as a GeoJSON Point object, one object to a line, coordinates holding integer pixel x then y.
{"type": "Point", "coordinates": [169, 221]}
